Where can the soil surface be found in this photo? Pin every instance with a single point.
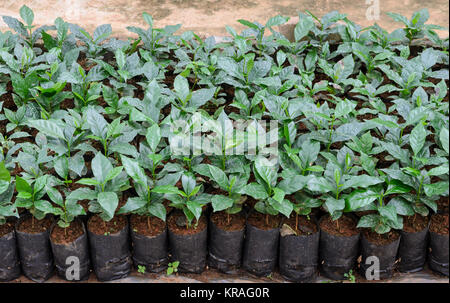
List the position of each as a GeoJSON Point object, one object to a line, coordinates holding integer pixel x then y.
{"type": "Point", "coordinates": [147, 226]}
{"type": "Point", "coordinates": [99, 227]}
{"type": "Point", "coordinates": [416, 223]}
{"type": "Point", "coordinates": [6, 228]}
{"type": "Point", "coordinates": [33, 226]}
{"type": "Point", "coordinates": [443, 204]}
{"type": "Point", "coordinates": [228, 222]}
{"type": "Point", "coordinates": [302, 225]}
{"type": "Point", "coordinates": [262, 221]}
{"type": "Point", "coordinates": [177, 226]}
{"type": "Point", "coordinates": [67, 235]}
{"type": "Point", "coordinates": [439, 224]}
{"type": "Point", "coordinates": [344, 226]}
{"type": "Point", "coordinates": [380, 239]}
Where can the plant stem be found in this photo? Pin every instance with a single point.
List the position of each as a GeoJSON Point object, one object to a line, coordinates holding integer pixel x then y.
{"type": "Point", "coordinates": [148, 223]}
{"type": "Point", "coordinates": [296, 222]}
{"type": "Point", "coordinates": [267, 219]}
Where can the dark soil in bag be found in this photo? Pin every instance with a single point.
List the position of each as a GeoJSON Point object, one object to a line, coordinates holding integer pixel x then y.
{"type": "Point", "coordinates": [438, 258]}
{"type": "Point", "coordinates": [188, 245]}
{"type": "Point", "coordinates": [9, 258]}
{"type": "Point", "coordinates": [33, 241]}
{"type": "Point", "coordinates": [384, 247]}
{"type": "Point", "coordinates": [110, 248]}
{"type": "Point", "coordinates": [412, 251]}
{"type": "Point", "coordinates": [261, 244]}
{"type": "Point", "coordinates": [70, 248]}
{"type": "Point", "coordinates": [339, 246]}
{"type": "Point", "coordinates": [150, 243]}
{"type": "Point", "coordinates": [299, 249]}
{"type": "Point", "coordinates": [226, 241]}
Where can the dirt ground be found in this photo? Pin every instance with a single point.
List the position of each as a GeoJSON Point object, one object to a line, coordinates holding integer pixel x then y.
{"type": "Point", "coordinates": [213, 276]}
{"type": "Point", "coordinates": [209, 17]}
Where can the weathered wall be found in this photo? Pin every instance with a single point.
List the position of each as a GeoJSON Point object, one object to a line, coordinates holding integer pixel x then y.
{"type": "Point", "coordinates": [209, 17]}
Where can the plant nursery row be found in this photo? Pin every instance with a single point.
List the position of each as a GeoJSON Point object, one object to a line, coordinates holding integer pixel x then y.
{"type": "Point", "coordinates": [121, 153]}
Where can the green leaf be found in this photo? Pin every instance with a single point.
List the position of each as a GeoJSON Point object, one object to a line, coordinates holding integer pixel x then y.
{"type": "Point", "coordinates": [417, 138]}
{"type": "Point", "coordinates": [278, 194]}
{"type": "Point", "coordinates": [45, 207]}
{"type": "Point", "coordinates": [166, 189]}
{"type": "Point", "coordinates": [218, 176]}
{"type": "Point", "coordinates": [387, 123]}
{"type": "Point", "coordinates": [120, 58]}
{"type": "Point", "coordinates": [402, 207]}
{"type": "Point", "coordinates": [27, 15]}
{"type": "Point", "coordinates": [108, 202]}
{"type": "Point", "coordinates": [148, 19]}
{"type": "Point", "coordinates": [303, 27]}
{"type": "Point", "coordinates": [23, 186]}
{"type": "Point", "coordinates": [88, 181]}
{"type": "Point", "coordinates": [181, 87]}
{"type": "Point", "coordinates": [153, 136]}
{"type": "Point", "coordinates": [4, 185]}
{"type": "Point", "coordinates": [277, 20]}
{"type": "Point", "coordinates": [320, 184]}
{"type": "Point", "coordinates": [265, 170]}
{"type": "Point", "coordinates": [343, 108]}
{"type": "Point", "coordinates": [443, 136]}
{"type": "Point", "coordinates": [195, 208]}
{"type": "Point", "coordinates": [389, 212]}
{"type": "Point", "coordinates": [333, 205]}
{"type": "Point", "coordinates": [113, 173]}
{"type": "Point", "coordinates": [359, 198]}
{"type": "Point", "coordinates": [438, 171]}
{"type": "Point", "coordinates": [4, 173]}
{"type": "Point", "coordinates": [248, 23]}
{"type": "Point", "coordinates": [133, 203]}
{"type": "Point", "coordinates": [158, 210]}
{"type": "Point", "coordinates": [48, 127]}
{"type": "Point", "coordinates": [436, 189]}
{"type": "Point", "coordinates": [134, 170]}
{"type": "Point", "coordinates": [284, 206]}
{"type": "Point", "coordinates": [368, 221]}
{"type": "Point", "coordinates": [255, 190]}
{"type": "Point", "coordinates": [82, 194]}
{"type": "Point", "coordinates": [361, 181]}
{"type": "Point", "coordinates": [55, 196]}
{"type": "Point", "coordinates": [293, 184]}
{"type": "Point", "coordinates": [220, 203]}
{"type": "Point", "coordinates": [101, 167]}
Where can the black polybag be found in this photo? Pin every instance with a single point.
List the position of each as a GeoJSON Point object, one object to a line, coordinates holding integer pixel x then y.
{"type": "Point", "coordinates": [260, 250]}
{"type": "Point", "coordinates": [69, 256]}
{"type": "Point", "coordinates": [225, 248]}
{"type": "Point", "coordinates": [299, 256]}
{"type": "Point", "coordinates": [110, 255]}
{"type": "Point", "coordinates": [337, 254]}
{"type": "Point", "coordinates": [9, 258]}
{"type": "Point", "coordinates": [412, 251]}
{"type": "Point", "coordinates": [35, 253]}
{"type": "Point", "coordinates": [151, 252]}
{"type": "Point", "coordinates": [438, 258]}
{"type": "Point", "coordinates": [386, 255]}
{"type": "Point", "coordinates": [189, 250]}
